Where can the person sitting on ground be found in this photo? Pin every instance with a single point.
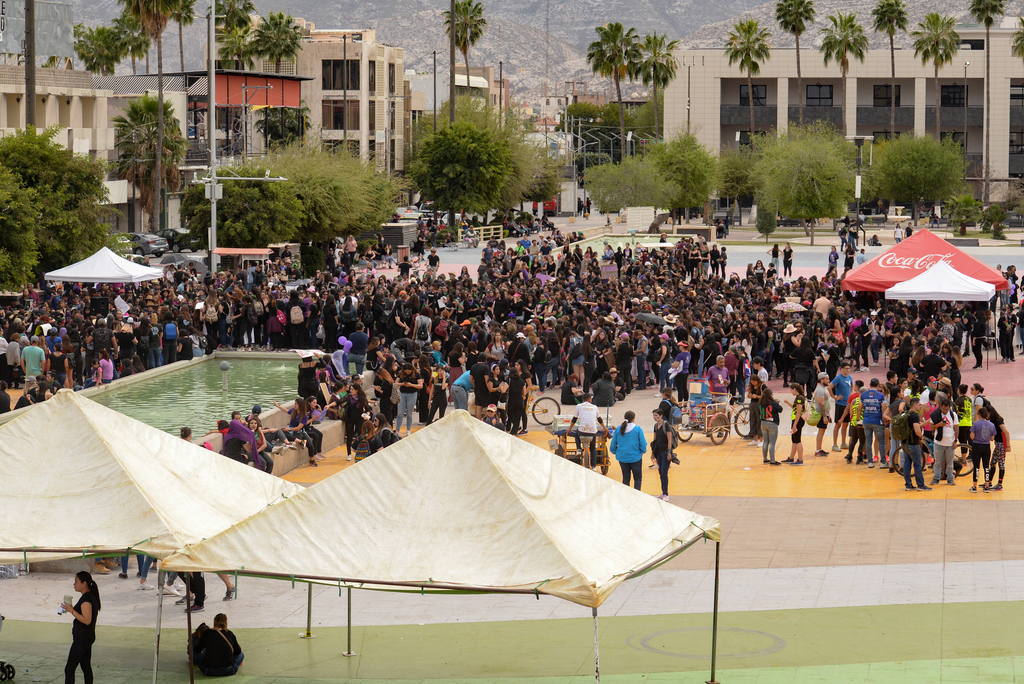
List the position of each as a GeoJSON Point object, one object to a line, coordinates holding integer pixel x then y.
{"type": "Point", "coordinates": [217, 652]}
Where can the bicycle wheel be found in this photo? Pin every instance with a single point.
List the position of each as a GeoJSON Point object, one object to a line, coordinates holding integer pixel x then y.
{"type": "Point", "coordinates": [544, 410]}
{"type": "Point", "coordinates": [741, 422]}
{"type": "Point", "coordinates": [719, 429]}
{"type": "Point", "coordinates": [962, 463]}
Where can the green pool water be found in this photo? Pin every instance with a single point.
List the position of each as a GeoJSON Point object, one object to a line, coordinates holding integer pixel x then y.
{"type": "Point", "coordinates": [193, 396]}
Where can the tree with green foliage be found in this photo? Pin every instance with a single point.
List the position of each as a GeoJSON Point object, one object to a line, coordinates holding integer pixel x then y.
{"type": "Point", "coordinates": [136, 144]}
{"type": "Point", "coordinates": [993, 217]}
{"type": "Point", "coordinates": [70, 199]}
{"type": "Point", "coordinates": [911, 168]}
{"type": "Point", "coordinates": [462, 167]}
{"type": "Point", "coordinates": [250, 214]}
{"type": "Point", "coordinates": [234, 14]}
{"type": "Point", "coordinates": [793, 17]}
{"type": "Point", "coordinates": [18, 255]}
{"type": "Point", "coordinates": [283, 125]}
{"type": "Point", "coordinates": [184, 14]}
{"type": "Point", "coordinates": [688, 168]}
{"type": "Point", "coordinates": [843, 39]}
{"type": "Point", "coordinates": [278, 38]}
{"type": "Point", "coordinates": [937, 41]}
{"type": "Point", "coordinates": [890, 16]}
{"type": "Point", "coordinates": [338, 191]}
{"type": "Point", "coordinates": [961, 210]}
{"type": "Point", "coordinates": [636, 182]}
{"type": "Point", "coordinates": [806, 173]}
{"type": "Point", "coordinates": [986, 12]}
{"type": "Point", "coordinates": [749, 44]}
{"type": "Point", "coordinates": [657, 68]}
{"type": "Point", "coordinates": [236, 46]}
{"type": "Point", "coordinates": [470, 23]}
{"type": "Point", "coordinates": [615, 53]}
{"type": "Point", "coordinates": [98, 48]}
{"type": "Point", "coordinates": [735, 177]}
{"type": "Point", "coordinates": [766, 221]}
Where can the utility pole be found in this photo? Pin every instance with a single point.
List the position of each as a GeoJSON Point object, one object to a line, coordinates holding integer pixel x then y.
{"type": "Point", "coordinates": [435, 91]}
{"type": "Point", "coordinates": [452, 19]}
{"type": "Point", "coordinates": [30, 63]}
{"type": "Point", "coordinates": [211, 134]}
{"type": "Point", "coordinates": [344, 93]}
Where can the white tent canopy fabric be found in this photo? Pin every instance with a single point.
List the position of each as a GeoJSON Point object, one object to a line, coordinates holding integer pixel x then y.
{"type": "Point", "coordinates": [942, 283]}
{"type": "Point", "coordinates": [460, 505]}
{"type": "Point", "coordinates": [105, 267]}
{"type": "Point", "coordinates": [82, 477]}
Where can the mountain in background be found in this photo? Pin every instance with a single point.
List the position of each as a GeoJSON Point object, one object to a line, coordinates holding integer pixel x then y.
{"type": "Point", "coordinates": [515, 35]}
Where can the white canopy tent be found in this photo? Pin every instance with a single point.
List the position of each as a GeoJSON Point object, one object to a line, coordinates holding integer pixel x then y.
{"type": "Point", "coordinates": [63, 462]}
{"type": "Point", "coordinates": [942, 282]}
{"type": "Point", "coordinates": [460, 507]}
{"type": "Point", "coordinates": [105, 267]}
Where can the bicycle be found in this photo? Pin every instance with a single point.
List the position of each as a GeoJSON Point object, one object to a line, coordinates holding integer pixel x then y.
{"type": "Point", "coordinates": [962, 463]}
{"type": "Point", "coordinates": [543, 409]}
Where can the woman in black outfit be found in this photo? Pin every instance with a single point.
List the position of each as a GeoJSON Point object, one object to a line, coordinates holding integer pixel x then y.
{"type": "Point", "coordinates": [787, 261]}
{"type": "Point", "coordinates": [83, 630]}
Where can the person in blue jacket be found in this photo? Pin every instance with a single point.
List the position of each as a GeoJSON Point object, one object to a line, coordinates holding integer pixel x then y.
{"type": "Point", "coordinates": [629, 446]}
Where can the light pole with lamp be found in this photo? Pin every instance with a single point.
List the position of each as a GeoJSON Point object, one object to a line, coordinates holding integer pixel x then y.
{"type": "Point", "coordinates": [966, 64]}
{"type": "Point", "coordinates": [859, 140]}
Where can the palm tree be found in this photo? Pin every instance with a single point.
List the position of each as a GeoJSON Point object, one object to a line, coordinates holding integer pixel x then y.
{"type": "Point", "coordinates": [154, 15]}
{"type": "Point", "coordinates": [98, 48]}
{"type": "Point", "coordinates": [134, 41]}
{"type": "Point", "coordinates": [234, 14]}
{"type": "Point", "coordinates": [986, 12]}
{"type": "Point", "coordinates": [749, 44]}
{"type": "Point", "coordinates": [615, 53]}
{"type": "Point", "coordinates": [658, 67]}
{"type": "Point", "coordinates": [278, 37]}
{"type": "Point", "coordinates": [283, 125]}
{"type": "Point", "coordinates": [469, 27]}
{"type": "Point", "coordinates": [137, 140]}
{"type": "Point", "coordinates": [183, 15]}
{"type": "Point", "coordinates": [793, 17]}
{"type": "Point", "coordinates": [236, 45]}
{"type": "Point", "coordinates": [842, 40]}
{"type": "Point", "coordinates": [889, 17]}
{"type": "Point", "coordinates": [936, 41]}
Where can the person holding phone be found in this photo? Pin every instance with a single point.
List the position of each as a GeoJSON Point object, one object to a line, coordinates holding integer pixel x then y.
{"type": "Point", "coordinates": [83, 630]}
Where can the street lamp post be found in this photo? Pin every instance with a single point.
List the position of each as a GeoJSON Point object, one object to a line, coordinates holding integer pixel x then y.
{"type": "Point", "coordinates": [966, 64]}
{"type": "Point", "coordinates": [859, 140]}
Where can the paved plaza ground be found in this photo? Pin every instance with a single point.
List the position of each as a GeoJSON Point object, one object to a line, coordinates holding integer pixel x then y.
{"type": "Point", "coordinates": [830, 573]}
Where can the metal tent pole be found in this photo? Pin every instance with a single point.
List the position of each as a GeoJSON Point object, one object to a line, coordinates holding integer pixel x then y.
{"type": "Point", "coordinates": [714, 618]}
{"type": "Point", "coordinates": [188, 616]}
{"type": "Point", "coordinates": [159, 619]}
{"type": "Point", "coordinates": [308, 634]}
{"type": "Point", "coordinates": [349, 653]}
{"type": "Point", "coordinates": [597, 654]}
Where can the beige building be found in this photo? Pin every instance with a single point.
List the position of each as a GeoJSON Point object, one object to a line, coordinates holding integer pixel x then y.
{"type": "Point", "coordinates": [719, 115]}
{"type": "Point", "coordinates": [64, 98]}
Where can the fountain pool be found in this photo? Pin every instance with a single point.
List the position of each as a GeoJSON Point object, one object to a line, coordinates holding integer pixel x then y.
{"type": "Point", "coordinates": [193, 396]}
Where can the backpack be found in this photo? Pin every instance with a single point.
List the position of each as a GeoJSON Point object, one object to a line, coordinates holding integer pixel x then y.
{"type": "Point", "coordinates": [349, 315]}
{"type": "Point", "coordinates": [258, 306]}
{"type": "Point", "coordinates": [280, 317]}
{"type": "Point", "coordinates": [423, 333]}
{"type": "Point", "coordinates": [986, 403]}
{"type": "Point", "coordinates": [211, 314]}
{"type": "Point", "coordinates": [441, 329]}
{"type": "Point", "coordinates": [900, 428]}
{"type": "Point", "coordinates": [362, 449]}
{"type": "Point", "coordinates": [295, 315]}
{"type": "Point", "coordinates": [250, 315]}
{"type": "Point", "coordinates": [170, 331]}
{"type": "Point", "coordinates": [576, 351]}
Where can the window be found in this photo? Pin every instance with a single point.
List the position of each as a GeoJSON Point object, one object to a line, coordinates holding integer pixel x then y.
{"type": "Point", "coordinates": [372, 110]}
{"type": "Point", "coordinates": [391, 78]}
{"type": "Point", "coordinates": [760, 96]}
{"type": "Point", "coordinates": [334, 76]}
{"type": "Point", "coordinates": [1017, 96]}
{"type": "Point", "coordinates": [883, 135]}
{"type": "Point", "coordinates": [1017, 142]}
{"type": "Point", "coordinates": [882, 98]}
{"type": "Point", "coordinates": [953, 95]}
{"type": "Point", "coordinates": [334, 115]}
{"type": "Point", "coordinates": [819, 95]}
{"type": "Point", "coordinates": [372, 147]}
{"type": "Point", "coordinates": [371, 75]}
{"type": "Point", "coordinates": [973, 44]}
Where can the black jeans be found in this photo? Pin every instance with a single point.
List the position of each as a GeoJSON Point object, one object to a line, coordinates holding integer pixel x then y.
{"type": "Point", "coordinates": [978, 351]}
{"type": "Point", "coordinates": [682, 388]}
{"type": "Point", "coordinates": [80, 655]}
{"type": "Point", "coordinates": [516, 420]}
{"type": "Point", "coordinates": [170, 351]}
{"type": "Point", "coordinates": [636, 470]}
{"type": "Point", "coordinates": [438, 404]}
{"type": "Point", "coordinates": [197, 585]}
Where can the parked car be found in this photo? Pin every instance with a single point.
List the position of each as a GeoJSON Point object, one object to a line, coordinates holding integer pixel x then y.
{"type": "Point", "coordinates": [148, 243]}
{"type": "Point", "coordinates": [178, 239]}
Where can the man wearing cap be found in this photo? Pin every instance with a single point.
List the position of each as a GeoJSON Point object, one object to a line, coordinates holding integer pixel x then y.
{"type": "Point", "coordinates": [875, 416]}
{"type": "Point", "coordinates": [589, 417]}
{"type": "Point", "coordinates": [822, 403]}
{"type": "Point", "coordinates": [718, 379]}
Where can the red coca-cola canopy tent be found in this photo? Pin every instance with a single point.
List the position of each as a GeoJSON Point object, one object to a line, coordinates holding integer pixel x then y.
{"type": "Point", "coordinates": [911, 258]}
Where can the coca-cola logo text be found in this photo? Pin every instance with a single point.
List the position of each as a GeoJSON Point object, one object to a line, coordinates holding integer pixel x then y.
{"type": "Point", "coordinates": [917, 263]}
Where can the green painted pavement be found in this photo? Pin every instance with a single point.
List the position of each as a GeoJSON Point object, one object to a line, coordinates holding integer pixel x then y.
{"type": "Point", "coordinates": [967, 642]}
